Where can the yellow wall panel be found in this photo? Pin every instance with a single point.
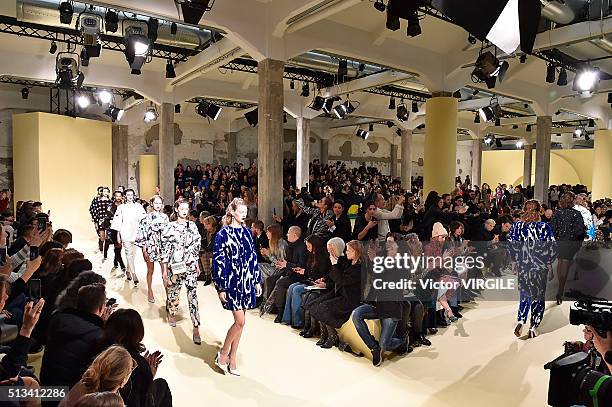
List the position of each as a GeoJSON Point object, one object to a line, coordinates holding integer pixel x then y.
{"type": "Point", "coordinates": [25, 157]}
{"type": "Point", "coordinates": [149, 175]}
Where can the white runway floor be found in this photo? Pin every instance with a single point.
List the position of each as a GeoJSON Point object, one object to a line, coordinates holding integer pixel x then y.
{"type": "Point", "coordinates": [475, 362]}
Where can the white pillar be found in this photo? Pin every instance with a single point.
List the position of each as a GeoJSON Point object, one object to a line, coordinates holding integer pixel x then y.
{"type": "Point", "coordinates": [302, 152]}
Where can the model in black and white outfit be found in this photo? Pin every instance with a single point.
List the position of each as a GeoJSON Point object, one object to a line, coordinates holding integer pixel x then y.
{"type": "Point", "coordinates": [180, 252]}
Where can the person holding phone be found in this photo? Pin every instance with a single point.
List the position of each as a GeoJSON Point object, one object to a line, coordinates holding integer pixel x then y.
{"type": "Point", "coordinates": [236, 277]}
{"type": "Point", "coordinates": [180, 254]}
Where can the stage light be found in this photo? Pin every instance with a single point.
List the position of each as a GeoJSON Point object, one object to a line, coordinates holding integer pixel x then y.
{"type": "Point", "coordinates": [528, 129]}
{"type": "Point", "coordinates": [170, 73]}
{"type": "Point", "coordinates": [398, 132]}
{"type": "Point", "coordinates": [578, 132]}
{"type": "Point", "coordinates": [586, 79]}
{"type": "Point", "coordinates": [389, 123]}
{"type": "Point", "coordinates": [66, 10]}
{"type": "Point", "coordinates": [105, 96]}
{"type": "Point", "coordinates": [457, 94]}
{"type": "Point", "coordinates": [476, 118]}
{"type": "Point", "coordinates": [562, 79]}
{"type": "Point", "coordinates": [25, 92]}
{"type": "Point", "coordinates": [498, 122]}
{"type": "Point", "coordinates": [519, 144]}
{"type": "Point", "coordinates": [587, 137]}
{"type": "Point", "coordinates": [489, 139]}
{"type": "Point", "coordinates": [83, 101]}
{"type": "Point", "coordinates": [67, 69]}
{"type": "Point", "coordinates": [380, 6]}
{"type": "Point", "coordinates": [414, 28]}
{"type": "Point", "coordinates": [177, 108]}
{"type": "Point", "coordinates": [173, 28]}
{"type": "Point", "coordinates": [284, 117]}
{"type": "Point", "coordinates": [152, 26]}
{"type": "Point", "coordinates": [361, 67]}
{"type": "Point", "coordinates": [305, 90]}
{"type": "Point", "coordinates": [343, 109]}
{"type": "Point", "coordinates": [392, 103]}
{"type": "Point", "coordinates": [90, 28]}
{"type": "Point", "coordinates": [328, 105]}
{"type": "Point", "coordinates": [475, 92]}
{"type": "Point", "coordinates": [342, 68]}
{"type": "Point", "coordinates": [471, 39]}
{"type": "Point", "coordinates": [137, 45]}
{"type": "Point", "coordinates": [207, 109]}
{"type": "Point", "coordinates": [53, 48]}
{"type": "Point", "coordinates": [610, 97]}
{"type": "Point", "coordinates": [488, 69]}
{"type": "Point", "coordinates": [111, 21]}
{"type": "Point", "coordinates": [150, 114]}
{"type": "Point", "coordinates": [550, 73]}
{"type": "Point", "coordinates": [498, 143]}
{"type": "Point", "coordinates": [317, 103]}
{"type": "Point", "coordinates": [490, 112]}
{"type": "Point", "coordinates": [292, 84]}
{"type": "Point", "coordinates": [362, 134]}
{"type": "Point", "coordinates": [84, 57]}
{"type": "Point", "coordinates": [252, 117]}
{"type": "Point", "coordinates": [402, 113]}
{"type": "Point", "coordinates": [415, 107]}
{"type": "Point", "coordinates": [591, 123]}
{"type": "Point", "coordinates": [371, 127]}
{"type": "Point", "coordinates": [193, 10]}
{"type": "Point", "coordinates": [114, 113]}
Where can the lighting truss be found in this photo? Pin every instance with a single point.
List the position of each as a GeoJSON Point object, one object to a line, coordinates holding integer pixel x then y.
{"type": "Point", "coordinates": [9, 25]}
{"type": "Point", "coordinates": [291, 72]}
{"type": "Point", "coordinates": [31, 83]}
{"type": "Point", "coordinates": [223, 103]}
{"type": "Point", "coordinates": [399, 93]}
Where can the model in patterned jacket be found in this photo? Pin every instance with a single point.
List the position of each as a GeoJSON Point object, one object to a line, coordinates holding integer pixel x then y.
{"type": "Point", "coordinates": [237, 279]}
{"type": "Point", "coordinates": [149, 238]}
{"type": "Point", "coordinates": [180, 252]}
{"type": "Point", "coordinates": [97, 210]}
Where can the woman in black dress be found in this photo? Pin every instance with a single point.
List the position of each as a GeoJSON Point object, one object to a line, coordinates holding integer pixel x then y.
{"type": "Point", "coordinates": [568, 226]}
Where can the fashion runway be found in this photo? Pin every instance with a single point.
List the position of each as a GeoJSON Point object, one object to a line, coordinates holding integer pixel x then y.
{"type": "Point", "coordinates": [476, 361]}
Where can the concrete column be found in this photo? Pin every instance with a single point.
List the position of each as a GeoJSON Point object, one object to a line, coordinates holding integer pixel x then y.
{"type": "Point", "coordinates": [440, 155]}
{"type": "Point", "coordinates": [542, 172]}
{"type": "Point", "coordinates": [476, 161]}
{"type": "Point", "coordinates": [120, 156]}
{"type": "Point", "coordinates": [232, 155]}
{"type": "Point", "coordinates": [602, 164]}
{"type": "Point", "coordinates": [166, 152]}
{"type": "Point", "coordinates": [324, 151]}
{"type": "Point", "coordinates": [302, 152]}
{"type": "Point", "coordinates": [527, 154]}
{"type": "Point", "coordinates": [393, 160]}
{"type": "Point", "coordinates": [406, 157]}
{"type": "Point", "coordinates": [270, 139]}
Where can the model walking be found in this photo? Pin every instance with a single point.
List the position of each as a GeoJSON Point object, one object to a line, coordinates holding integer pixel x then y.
{"type": "Point", "coordinates": [97, 210]}
{"type": "Point", "coordinates": [236, 277]}
{"type": "Point", "coordinates": [180, 251]}
{"type": "Point", "coordinates": [111, 233]}
{"type": "Point", "coordinates": [533, 249]}
{"type": "Point", "coordinates": [149, 238]}
{"type": "Point", "coordinates": [126, 222]}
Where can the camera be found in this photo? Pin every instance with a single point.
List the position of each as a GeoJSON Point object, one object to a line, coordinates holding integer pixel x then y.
{"type": "Point", "coordinates": [573, 377]}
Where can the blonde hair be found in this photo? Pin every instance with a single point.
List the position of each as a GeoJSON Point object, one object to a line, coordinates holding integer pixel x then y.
{"type": "Point", "coordinates": [102, 399]}
{"type": "Point", "coordinates": [109, 370]}
{"type": "Point", "coordinates": [358, 247]}
{"type": "Point", "coordinates": [531, 211]}
{"type": "Point", "coordinates": [210, 220]}
{"type": "Point", "coordinates": [153, 198]}
{"type": "Point", "coordinates": [232, 207]}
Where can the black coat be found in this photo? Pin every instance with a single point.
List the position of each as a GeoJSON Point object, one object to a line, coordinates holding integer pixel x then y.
{"type": "Point", "coordinates": [134, 393]}
{"type": "Point", "coordinates": [342, 227]}
{"type": "Point", "coordinates": [73, 342]}
{"type": "Point", "coordinates": [335, 307]}
{"type": "Point", "coordinates": [296, 256]}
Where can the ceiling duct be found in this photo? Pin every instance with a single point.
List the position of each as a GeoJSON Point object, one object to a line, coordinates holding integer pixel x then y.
{"type": "Point", "coordinates": [329, 64]}
{"type": "Point", "coordinates": [45, 12]}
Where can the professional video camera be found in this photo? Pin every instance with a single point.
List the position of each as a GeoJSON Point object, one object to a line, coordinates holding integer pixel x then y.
{"type": "Point", "coordinates": [573, 377]}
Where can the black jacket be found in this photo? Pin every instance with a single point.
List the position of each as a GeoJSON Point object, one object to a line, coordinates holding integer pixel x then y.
{"type": "Point", "coordinates": [72, 343]}
{"type": "Point", "coordinates": [15, 358]}
{"type": "Point", "coordinates": [135, 391]}
{"type": "Point", "coordinates": [261, 241]}
{"type": "Point", "coordinates": [296, 256]}
{"type": "Point", "coordinates": [342, 227]}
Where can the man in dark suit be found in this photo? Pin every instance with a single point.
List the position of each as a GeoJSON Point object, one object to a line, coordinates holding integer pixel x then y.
{"type": "Point", "coordinates": [260, 239]}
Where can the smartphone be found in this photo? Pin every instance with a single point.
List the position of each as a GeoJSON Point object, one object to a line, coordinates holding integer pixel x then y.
{"type": "Point", "coordinates": [2, 255]}
{"type": "Point", "coordinates": [274, 211]}
{"type": "Point", "coordinates": [33, 252]}
{"type": "Point", "coordinates": [110, 302]}
{"type": "Point", "coordinates": [42, 224]}
{"type": "Point", "coordinates": [35, 289]}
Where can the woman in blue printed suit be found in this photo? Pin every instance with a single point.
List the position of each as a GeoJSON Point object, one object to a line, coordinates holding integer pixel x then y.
{"type": "Point", "coordinates": [533, 249]}
{"type": "Point", "coordinates": [236, 277]}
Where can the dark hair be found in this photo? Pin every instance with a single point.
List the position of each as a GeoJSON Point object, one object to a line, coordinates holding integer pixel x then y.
{"type": "Point", "coordinates": [124, 327]}
{"type": "Point", "coordinates": [193, 213]}
{"type": "Point", "coordinates": [454, 225]}
{"type": "Point", "coordinates": [68, 297]}
{"type": "Point", "coordinates": [63, 236]}
{"type": "Point", "coordinates": [259, 225]}
{"type": "Point", "coordinates": [51, 262]}
{"type": "Point", "coordinates": [504, 219]}
{"type": "Point", "coordinates": [48, 245]}
{"type": "Point", "coordinates": [91, 298]}
{"type": "Point", "coordinates": [100, 399]}
{"type": "Point", "coordinates": [340, 202]}
{"type": "Point", "coordinates": [319, 252]}
{"type": "Point", "coordinates": [567, 200]}
{"type": "Point", "coordinates": [75, 268]}
{"type": "Point", "coordinates": [129, 190]}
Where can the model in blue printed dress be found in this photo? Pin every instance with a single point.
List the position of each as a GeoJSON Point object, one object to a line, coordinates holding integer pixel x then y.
{"type": "Point", "coordinates": [533, 249]}
{"type": "Point", "coordinates": [236, 277]}
{"type": "Point", "coordinates": [149, 239]}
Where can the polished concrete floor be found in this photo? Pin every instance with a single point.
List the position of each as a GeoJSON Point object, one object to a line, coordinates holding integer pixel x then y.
{"type": "Point", "coordinates": [475, 362]}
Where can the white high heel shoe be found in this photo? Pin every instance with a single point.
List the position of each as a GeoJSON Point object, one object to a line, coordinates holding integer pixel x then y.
{"type": "Point", "coordinates": [223, 367]}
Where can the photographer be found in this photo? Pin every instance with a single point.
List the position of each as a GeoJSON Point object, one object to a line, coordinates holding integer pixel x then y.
{"type": "Point", "coordinates": [602, 345]}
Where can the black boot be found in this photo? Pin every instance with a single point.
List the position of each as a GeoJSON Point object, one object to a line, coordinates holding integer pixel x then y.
{"type": "Point", "coordinates": [324, 334]}
{"type": "Point", "coordinates": [456, 312]}
{"type": "Point", "coordinates": [314, 329]}
{"type": "Point", "coordinates": [306, 324]}
{"type": "Point", "coordinates": [101, 245]}
{"type": "Point", "coordinates": [424, 341]}
{"type": "Point", "coordinates": [332, 338]}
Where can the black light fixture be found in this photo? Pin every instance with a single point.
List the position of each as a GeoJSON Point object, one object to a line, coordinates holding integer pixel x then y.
{"type": "Point", "coordinates": [343, 109]}
{"type": "Point", "coordinates": [415, 107]}
{"type": "Point", "coordinates": [587, 137]}
{"type": "Point", "coordinates": [152, 25]}
{"type": "Point", "coordinates": [528, 129]}
{"type": "Point", "coordinates": [490, 112]}
{"type": "Point", "coordinates": [67, 69]}
{"type": "Point", "coordinates": [398, 132]}
{"type": "Point", "coordinates": [137, 44]}
{"type": "Point", "coordinates": [591, 123]}
{"type": "Point", "coordinates": [515, 126]}
{"type": "Point", "coordinates": [317, 103]}
{"type": "Point", "coordinates": [170, 73]}
{"type": "Point", "coordinates": [380, 6]}
{"type": "Point", "coordinates": [173, 28]}
{"type": "Point", "coordinates": [361, 67]}
{"type": "Point", "coordinates": [84, 57]}
{"type": "Point", "coordinates": [66, 11]}
{"type": "Point", "coordinates": [392, 103]}
{"type": "Point", "coordinates": [457, 94]}
{"type": "Point", "coordinates": [550, 73]}
{"type": "Point", "coordinates": [402, 113]}
{"type": "Point", "coordinates": [25, 92]}
{"type": "Point", "coordinates": [329, 105]}
{"type": "Point", "coordinates": [476, 118]}
{"type": "Point", "coordinates": [111, 21]}
{"type": "Point", "coordinates": [342, 68]}
{"type": "Point", "coordinates": [177, 108]}
{"type": "Point", "coordinates": [284, 117]}
{"type": "Point", "coordinates": [498, 122]}
{"type": "Point", "coordinates": [292, 84]}
{"type": "Point", "coordinates": [53, 48]}
{"type": "Point", "coordinates": [252, 117]}
{"type": "Point", "coordinates": [305, 90]}
{"type": "Point", "coordinates": [414, 28]}
{"type": "Point", "coordinates": [371, 127]}
{"type": "Point", "coordinates": [362, 134]}
{"type": "Point", "coordinates": [114, 113]}
{"type": "Point", "coordinates": [389, 123]}
{"type": "Point", "coordinates": [208, 109]}
{"type": "Point", "coordinates": [489, 139]}
{"type": "Point", "coordinates": [475, 92]}
{"type": "Point", "coordinates": [562, 79]}
{"type": "Point", "coordinates": [488, 69]}
{"type": "Point", "coordinates": [498, 143]}
{"type": "Point", "coordinates": [471, 39]}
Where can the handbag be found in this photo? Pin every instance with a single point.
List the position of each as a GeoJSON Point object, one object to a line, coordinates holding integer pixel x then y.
{"type": "Point", "coordinates": [180, 266]}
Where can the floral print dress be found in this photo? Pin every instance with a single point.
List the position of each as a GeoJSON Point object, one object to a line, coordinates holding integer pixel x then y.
{"type": "Point", "coordinates": [149, 234]}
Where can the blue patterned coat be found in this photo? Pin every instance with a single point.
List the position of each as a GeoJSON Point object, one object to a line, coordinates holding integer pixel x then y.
{"type": "Point", "coordinates": [234, 268]}
{"type": "Point", "coordinates": [533, 248]}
